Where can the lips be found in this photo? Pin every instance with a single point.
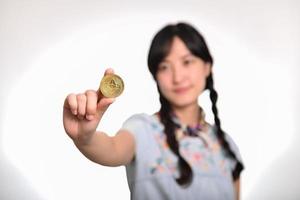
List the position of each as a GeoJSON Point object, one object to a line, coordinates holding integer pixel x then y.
{"type": "Point", "coordinates": [181, 90]}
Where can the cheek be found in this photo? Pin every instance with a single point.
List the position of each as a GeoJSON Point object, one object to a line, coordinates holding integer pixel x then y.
{"type": "Point", "coordinates": [163, 89]}
{"type": "Point", "coordinates": [162, 82]}
{"type": "Point", "coordinates": [199, 81]}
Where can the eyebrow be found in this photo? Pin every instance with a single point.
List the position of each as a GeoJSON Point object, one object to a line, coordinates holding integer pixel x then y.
{"type": "Point", "coordinates": [182, 57]}
{"type": "Point", "coordinates": [187, 55]}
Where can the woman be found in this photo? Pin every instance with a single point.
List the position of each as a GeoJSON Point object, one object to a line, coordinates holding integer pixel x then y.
{"type": "Point", "coordinates": [174, 153]}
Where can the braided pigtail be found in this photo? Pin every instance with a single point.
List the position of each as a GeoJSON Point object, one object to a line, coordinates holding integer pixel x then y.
{"type": "Point", "coordinates": [220, 133]}
{"type": "Point", "coordinates": [185, 171]}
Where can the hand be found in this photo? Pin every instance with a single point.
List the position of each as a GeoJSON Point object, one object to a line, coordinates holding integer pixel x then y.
{"type": "Point", "coordinates": [83, 112]}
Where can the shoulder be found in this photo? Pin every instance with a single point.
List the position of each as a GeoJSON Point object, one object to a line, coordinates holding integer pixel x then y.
{"type": "Point", "coordinates": [231, 142]}
{"type": "Point", "coordinates": [141, 121]}
{"type": "Point", "coordinates": [237, 166]}
{"type": "Point", "coordinates": [233, 145]}
{"type": "Point", "coordinates": [142, 127]}
{"type": "Point", "coordinates": [228, 138]}
{"type": "Point", "coordinates": [139, 116]}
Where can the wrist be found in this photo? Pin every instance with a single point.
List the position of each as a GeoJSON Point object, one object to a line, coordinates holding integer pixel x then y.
{"type": "Point", "coordinates": [84, 139]}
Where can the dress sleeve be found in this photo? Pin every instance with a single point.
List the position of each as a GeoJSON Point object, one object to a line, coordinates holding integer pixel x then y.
{"type": "Point", "coordinates": [236, 166]}
{"type": "Point", "coordinates": [138, 126]}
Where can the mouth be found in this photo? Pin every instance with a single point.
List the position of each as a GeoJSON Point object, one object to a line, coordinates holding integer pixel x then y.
{"type": "Point", "coordinates": [181, 90]}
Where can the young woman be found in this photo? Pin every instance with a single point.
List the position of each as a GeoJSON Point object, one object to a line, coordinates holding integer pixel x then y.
{"type": "Point", "coordinates": [174, 153]}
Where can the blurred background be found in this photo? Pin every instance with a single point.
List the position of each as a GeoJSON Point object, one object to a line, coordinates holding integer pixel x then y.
{"type": "Point", "coordinates": [49, 49]}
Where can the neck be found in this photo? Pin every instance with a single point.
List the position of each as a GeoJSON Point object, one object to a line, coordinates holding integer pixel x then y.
{"type": "Point", "coordinates": [188, 115]}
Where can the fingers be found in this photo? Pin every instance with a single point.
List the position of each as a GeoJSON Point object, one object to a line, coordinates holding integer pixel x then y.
{"type": "Point", "coordinates": [91, 104]}
{"type": "Point", "coordinates": [81, 102]}
{"type": "Point", "coordinates": [109, 71]}
{"type": "Point", "coordinates": [71, 103]}
{"type": "Point", "coordinates": [103, 104]}
{"type": "Point", "coordinates": [87, 106]}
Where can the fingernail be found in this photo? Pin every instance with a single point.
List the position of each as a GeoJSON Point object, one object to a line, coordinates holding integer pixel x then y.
{"type": "Point", "coordinates": [74, 112]}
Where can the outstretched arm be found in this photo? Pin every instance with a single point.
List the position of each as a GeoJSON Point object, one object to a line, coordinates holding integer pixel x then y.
{"type": "Point", "coordinates": [81, 116]}
{"type": "Point", "coordinates": [109, 151]}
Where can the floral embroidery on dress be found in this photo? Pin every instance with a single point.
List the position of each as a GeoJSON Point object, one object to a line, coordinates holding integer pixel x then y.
{"type": "Point", "coordinates": [157, 166]}
{"type": "Point", "coordinates": [202, 153]}
{"type": "Point", "coordinates": [164, 162]}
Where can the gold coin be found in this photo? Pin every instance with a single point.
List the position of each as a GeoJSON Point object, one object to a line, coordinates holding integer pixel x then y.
{"type": "Point", "coordinates": [111, 85]}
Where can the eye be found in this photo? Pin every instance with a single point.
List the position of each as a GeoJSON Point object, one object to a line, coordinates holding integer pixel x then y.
{"type": "Point", "coordinates": [187, 62]}
{"type": "Point", "coordinates": [163, 67]}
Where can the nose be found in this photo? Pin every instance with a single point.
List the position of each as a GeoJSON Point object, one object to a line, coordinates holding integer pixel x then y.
{"type": "Point", "coordinates": [177, 75]}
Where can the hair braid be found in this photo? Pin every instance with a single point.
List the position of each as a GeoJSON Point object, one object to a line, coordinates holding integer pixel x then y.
{"type": "Point", "coordinates": [220, 133]}
{"type": "Point", "coordinates": [186, 174]}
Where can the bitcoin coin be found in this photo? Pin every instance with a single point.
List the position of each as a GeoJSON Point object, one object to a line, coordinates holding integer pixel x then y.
{"type": "Point", "coordinates": [111, 85]}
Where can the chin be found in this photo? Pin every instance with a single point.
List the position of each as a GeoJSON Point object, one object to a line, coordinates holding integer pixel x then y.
{"type": "Point", "coordinates": [183, 102]}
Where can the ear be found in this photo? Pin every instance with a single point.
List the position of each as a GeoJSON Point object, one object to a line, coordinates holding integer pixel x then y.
{"type": "Point", "coordinates": [207, 69]}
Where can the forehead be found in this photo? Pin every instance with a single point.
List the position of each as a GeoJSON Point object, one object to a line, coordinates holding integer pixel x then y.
{"type": "Point", "coordinates": [178, 49]}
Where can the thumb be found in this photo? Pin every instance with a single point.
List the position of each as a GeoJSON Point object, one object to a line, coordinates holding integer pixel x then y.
{"type": "Point", "coordinates": [103, 104]}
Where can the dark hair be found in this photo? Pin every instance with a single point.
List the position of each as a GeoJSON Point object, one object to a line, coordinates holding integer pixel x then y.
{"type": "Point", "coordinates": [159, 49]}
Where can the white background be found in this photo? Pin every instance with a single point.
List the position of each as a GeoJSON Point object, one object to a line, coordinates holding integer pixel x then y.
{"type": "Point", "coordinates": [51, 48]}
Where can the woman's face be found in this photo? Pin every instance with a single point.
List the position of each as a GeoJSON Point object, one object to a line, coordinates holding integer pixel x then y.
{"type": "Point", "coordinates": [181, 76]}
